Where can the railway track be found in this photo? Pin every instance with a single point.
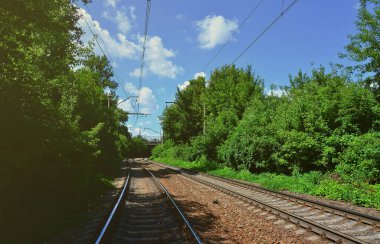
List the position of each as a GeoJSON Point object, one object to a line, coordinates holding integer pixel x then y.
{"type": "Point", "coordinates": [333, 223]}
{"type": "Point", "coordinates": [146, 213]}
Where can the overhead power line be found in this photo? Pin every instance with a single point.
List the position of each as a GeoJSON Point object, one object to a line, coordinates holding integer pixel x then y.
{"type": "Point", "coordinates": [109, 57]}
{"type": "Point", "coordinates": [226, 43]}
{"type": "Point", "coordinates": [264, 31]}
{"type": "Point", "coordinates": [147, 15]}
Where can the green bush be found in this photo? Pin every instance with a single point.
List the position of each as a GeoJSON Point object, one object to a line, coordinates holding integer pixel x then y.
{"type": "Point", "coordinates": [360, 160]}
{"type": "Point", "coordinates": [169, 150]}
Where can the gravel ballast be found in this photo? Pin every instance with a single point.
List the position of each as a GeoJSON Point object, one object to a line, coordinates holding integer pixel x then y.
{"type": "Point", "coordinates": [220, 218]}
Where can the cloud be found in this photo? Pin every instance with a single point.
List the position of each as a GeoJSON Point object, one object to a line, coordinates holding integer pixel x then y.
{"type": "Point", "coordinates": [136, 73]}
{"type": "Point", "coordinates": [131, 88]}
{"type": "Point", "coordinates": [274, 92]}
{"type": "Point", "coordinates": [187, 83]}
{"type": "Point", "coordinates": [132, 11]}
{"type": "Point", "coordinates": [123, 22]}
{"type": "Point", "coordinates": [134, 130]}
{"type": "Point", "coordinates": [215, 30]}
{"type": "Point", "coordinates": [157, 57]}
{"type": "Point", "coordinates": [120, 47]}
{"type": "Point", "coordinates": [146, 96]}
{"type": "Point", "coordinates": [127, 106]}
{"type": "Point", "coordinates": [146, 99]}
{"type": "Point", "coordinates": [200, 74]}
{"type": "Point", "coordinates": [111, 3]}
{"type": "Point", "coordinates": [183, 85]}
{"type": "Point", "coordinates": [139, 130]}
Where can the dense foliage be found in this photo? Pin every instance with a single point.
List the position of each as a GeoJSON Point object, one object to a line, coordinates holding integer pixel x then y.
{"type": "Point", "coordinates": [204, 113]}
{"type": "Point", "coordinates": [364, 47]}
{"type": "Point", "coordinates": [59, 138]}
{"type": "Point", "coordinates": [327, 122]}
{"type": "Point", "coordinates": [323, 122]}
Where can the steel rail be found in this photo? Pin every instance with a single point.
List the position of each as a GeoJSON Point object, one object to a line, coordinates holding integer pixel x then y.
{"type": "Point", "coordinates": [347, 213]}
{"type": "Point", "coordinates": [320, 229]}
{"type": "Point", "coordinates": [182, 215]}
{"type": "Point", "coordinates": [114, 210]}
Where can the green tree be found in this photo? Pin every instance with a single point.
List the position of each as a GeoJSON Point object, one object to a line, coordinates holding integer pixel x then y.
{"type": "Point", "coordinates": [184, 119]}
{"type": "Point", "coordinates": [364, 47]}
{"type": "Point", "coordinates": [55, 125]}
{"type": "Point", "coordinates": [228, 94]}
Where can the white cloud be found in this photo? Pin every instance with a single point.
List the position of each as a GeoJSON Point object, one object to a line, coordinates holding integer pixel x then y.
{"type": "Point", "coordinates": [157, 59]}
{"type": "Point", "coordinates": [120, 47]}
{"type": "Point", "coordinates": [146, 99]}
{"type": "Point", "coordinates": [183, 85]}
{"type": "Point", "coordinates": [146, 96]}
{"type": "Point", "coordinates": [135, 130]}
{"type": "Point", "coordinates": [132, 11]}
{"type": "Point", "coordinates": [129, 87]}
{"type": "Point", "coordinates": [124, 23]}
{"type": "Point", "coordinates": [274, 92]}
{"type": "Point", "coordinates": [111, 3]}
{"type": "Point", "coordinates": [136, 73]}
{"type": "Point", "coordinates": [139, 130]}
{"type": "Point", "coordinates": [126, 105]}
{"type": "Point", "coordinates": [187, 83]}
{"type": "Point", "coordinates": [215, 30]}
{"type": "Point", "coordinates": [200, 74]}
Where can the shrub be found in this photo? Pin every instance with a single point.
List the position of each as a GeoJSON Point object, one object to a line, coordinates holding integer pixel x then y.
{"type": "Point", "coordinates": [360, 161]}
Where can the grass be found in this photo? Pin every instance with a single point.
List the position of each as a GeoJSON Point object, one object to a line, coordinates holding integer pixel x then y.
{"type": "Point", "coordinates": [313, 183]}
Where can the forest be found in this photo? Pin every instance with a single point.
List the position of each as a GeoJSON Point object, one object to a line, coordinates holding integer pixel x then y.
{"type": "Point", "coordinates": [61, 142]}
{"type": "Point", "coordinates": [323, 127]}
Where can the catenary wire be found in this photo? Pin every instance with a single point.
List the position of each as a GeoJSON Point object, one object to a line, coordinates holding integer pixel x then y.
{"type": "Point", "coordinates": [147, 15]}
{"type": "Point", "coordinates": [264, 31]}
{"type": "Point", "coordinates": [226, 43]}
{"type": "Point", "coordinates": [101, 49]}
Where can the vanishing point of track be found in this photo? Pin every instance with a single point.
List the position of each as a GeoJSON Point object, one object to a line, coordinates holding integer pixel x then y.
{"type": "Point", "coordinates": [333, 223]}
{"type": "Point", "coordinates": [146, 213]}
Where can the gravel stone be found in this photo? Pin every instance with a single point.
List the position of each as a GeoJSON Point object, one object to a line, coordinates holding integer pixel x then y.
{"type": "Point", "coordinates": [229, 221]}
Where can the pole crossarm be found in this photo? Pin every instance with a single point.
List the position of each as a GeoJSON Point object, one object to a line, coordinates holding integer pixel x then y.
{"type": "Point", "coordinates": [129, 113]}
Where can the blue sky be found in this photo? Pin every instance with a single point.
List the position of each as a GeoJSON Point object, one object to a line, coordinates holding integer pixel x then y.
{"type": "Point", "coordinates": [184, 35]}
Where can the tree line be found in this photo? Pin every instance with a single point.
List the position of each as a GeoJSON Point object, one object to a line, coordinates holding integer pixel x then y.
{"type": "Point", "coordinates": [61, 139]}
{"type": "Point", "coordinates": [323, 121]}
